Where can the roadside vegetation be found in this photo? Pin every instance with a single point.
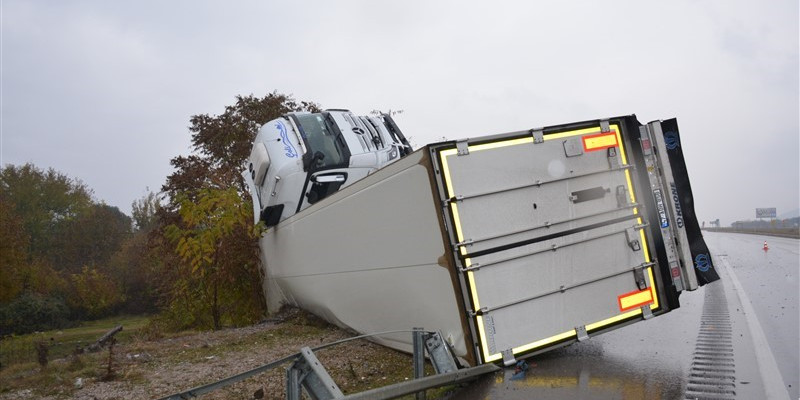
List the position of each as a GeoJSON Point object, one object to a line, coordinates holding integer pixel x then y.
{"type": "Point", "coordinates": [22, 349]}
{"type": "Point", "coordinates": [185, 260]}
{"type": "Point", "coordinates": [66, 257]}
{"type": "Point", "coordinates": [144, 364]}
{"type": "Point", "coordinates": [187, 254]}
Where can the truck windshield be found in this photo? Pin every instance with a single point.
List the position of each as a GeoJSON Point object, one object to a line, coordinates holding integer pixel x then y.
{"type": "Point", "coordinates": [323, 136]}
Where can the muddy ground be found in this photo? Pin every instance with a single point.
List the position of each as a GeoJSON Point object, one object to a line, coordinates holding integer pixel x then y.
{"type": "Point", "coordinates": [146, 369]}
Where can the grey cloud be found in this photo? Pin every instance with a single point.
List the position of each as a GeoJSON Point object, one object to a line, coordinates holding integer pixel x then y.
{"type": "Point", "coordinates": [104, 90]}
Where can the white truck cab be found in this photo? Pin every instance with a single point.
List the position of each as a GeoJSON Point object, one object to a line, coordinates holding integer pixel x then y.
{"type": "Point", "coordinates": [301, 158]}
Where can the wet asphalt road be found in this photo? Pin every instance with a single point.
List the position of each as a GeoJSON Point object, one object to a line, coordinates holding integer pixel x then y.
{"type": "Point", "coordinates": [654, 359]}
{"type": "Point", "coordinates": [770, 279]}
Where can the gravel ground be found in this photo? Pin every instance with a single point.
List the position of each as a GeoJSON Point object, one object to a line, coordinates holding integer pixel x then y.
{"type": "Point", "coordinates": [152, 369]}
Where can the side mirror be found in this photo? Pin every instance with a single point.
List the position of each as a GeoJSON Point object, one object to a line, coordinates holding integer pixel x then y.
{"type": "Point", "coordinates": [272, 215]}
{"type": "Point", "coordinates": [324, 184]}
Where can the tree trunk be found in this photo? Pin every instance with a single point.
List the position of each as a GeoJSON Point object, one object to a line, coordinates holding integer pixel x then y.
{"type": "Point", "coordinates": [215, 307]}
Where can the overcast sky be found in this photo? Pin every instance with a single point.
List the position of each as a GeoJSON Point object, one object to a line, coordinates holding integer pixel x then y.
{"type": "Point", "coordinates": [103, 90]}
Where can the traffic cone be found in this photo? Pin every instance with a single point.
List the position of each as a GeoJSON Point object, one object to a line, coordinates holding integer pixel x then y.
{"type": "Point", "coordinates": [765, 246]}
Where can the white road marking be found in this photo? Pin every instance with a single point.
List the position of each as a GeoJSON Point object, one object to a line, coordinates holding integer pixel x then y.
{"type": "Point", "coordinates": [774, 386]}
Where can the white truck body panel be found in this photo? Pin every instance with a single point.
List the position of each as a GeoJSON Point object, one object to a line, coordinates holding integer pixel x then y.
{"type": "Point", "coordinates": [369, 258]}
{"type": "Point", "coordinates": [510, 245]}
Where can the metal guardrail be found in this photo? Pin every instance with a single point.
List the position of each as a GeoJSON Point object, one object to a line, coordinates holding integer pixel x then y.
{"type": "Point", "coordinates": [422, 384]}
{"type": "Point", "coordinates": [306, 372]}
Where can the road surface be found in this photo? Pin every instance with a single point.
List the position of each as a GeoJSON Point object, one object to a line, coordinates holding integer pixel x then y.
{"type": "Point", "coordinates": [712, 347]}
{"type": "Point", "coordinates": [770, 280]}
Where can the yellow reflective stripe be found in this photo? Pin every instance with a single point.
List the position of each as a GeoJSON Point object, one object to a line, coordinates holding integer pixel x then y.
{"type": "Point", "coordinates": [491, 357]}
{"type": "Point", "coordinates": [545, 342]}
{"type": "Point", "coordinates": [643, 241]}
{"type": "Point", "coordinates": [460, 237]}
{"type": "Point", "coordinates": [614, 319]}
{"type": "Point", "coordinates": [495, 145]}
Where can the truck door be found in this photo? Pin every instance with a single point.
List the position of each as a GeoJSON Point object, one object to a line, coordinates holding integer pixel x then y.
{"type": "Point", "coordinates": [549, 237]}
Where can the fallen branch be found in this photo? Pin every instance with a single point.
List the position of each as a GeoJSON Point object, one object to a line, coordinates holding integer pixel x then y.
{"type": "Point", "coordinates": [103, 339]}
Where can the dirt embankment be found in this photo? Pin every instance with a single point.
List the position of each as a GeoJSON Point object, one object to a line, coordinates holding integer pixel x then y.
{"type": "Point", "coordinates": [146, 369]}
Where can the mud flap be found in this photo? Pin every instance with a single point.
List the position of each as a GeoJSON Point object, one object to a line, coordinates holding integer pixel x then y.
{"type": "Point", "coordinates": [703, 266]}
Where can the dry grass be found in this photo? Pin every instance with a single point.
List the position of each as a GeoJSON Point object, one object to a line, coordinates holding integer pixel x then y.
{"type": "Point", "coordinates": [21, 349]}
{"type": "Point", "coordinates": [155, 368]}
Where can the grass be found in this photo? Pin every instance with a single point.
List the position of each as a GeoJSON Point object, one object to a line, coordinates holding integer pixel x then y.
{"type": "Point", "coordinates": [61, 343]}
{"type": "Point", "coordinates": [354, 366]}
{"type": "Point", "coordinates": [20, 368]}
{"type": "Point", "coordinates": [57, 377]}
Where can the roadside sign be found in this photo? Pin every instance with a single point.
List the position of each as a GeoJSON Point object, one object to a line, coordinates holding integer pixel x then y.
{"type": "Point", "coordinates": [766, 212]}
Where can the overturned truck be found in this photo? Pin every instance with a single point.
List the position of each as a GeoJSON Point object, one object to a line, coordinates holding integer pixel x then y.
{"type": "Point", "coordinates": [509, 245]}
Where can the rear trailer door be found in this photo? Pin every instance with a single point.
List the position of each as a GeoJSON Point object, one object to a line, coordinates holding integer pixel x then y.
{"type": "Point", "coordinates": [551, 240]}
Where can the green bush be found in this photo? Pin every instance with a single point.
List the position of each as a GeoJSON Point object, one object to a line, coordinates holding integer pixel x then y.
{"type": "Point", "coordinates": [32, 312]}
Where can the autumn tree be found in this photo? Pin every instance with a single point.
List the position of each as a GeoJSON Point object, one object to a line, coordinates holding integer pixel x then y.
{"type": "Point", "coordinates": [94, 294]}
{"type": "Point", "coordinates": [144, 211]}
{"type": "Point", "coordinates": [222, 143]}
{"type": "Point", "coordinates": [212, 273]}
{"type": "Point", "coordinates": [135, 267]}
{"type": "Point", "coordinates": [13, 255]}
{"type": "Point", "coordinates": [214, 232]}
{"type": "Point", "coordinates": [44, 201]}
{"type": "Point", "coordinates": [90, 238]}
{"type": "Point", "coordinates": [56, 244]}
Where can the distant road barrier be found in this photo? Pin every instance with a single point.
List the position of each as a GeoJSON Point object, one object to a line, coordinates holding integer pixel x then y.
{"type": "Point", "coordinates": [780, 232]}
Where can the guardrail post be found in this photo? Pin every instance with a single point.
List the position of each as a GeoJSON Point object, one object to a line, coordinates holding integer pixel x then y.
{"type": "Point", "coordinates": [419, 358]}
{"type": "Point", "coordinates": [293, 390]}
{"type": "Point", "coordinates": [309, 373]}
{"type": "Point", "coordinates": [441, 354]}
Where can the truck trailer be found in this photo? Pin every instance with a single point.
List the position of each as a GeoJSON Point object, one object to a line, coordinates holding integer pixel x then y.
{"type": "Point", "coordinates": [510, 245]}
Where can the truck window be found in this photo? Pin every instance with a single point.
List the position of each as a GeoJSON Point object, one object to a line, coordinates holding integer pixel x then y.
{"type": "Point", "coordinates": [323, 136]}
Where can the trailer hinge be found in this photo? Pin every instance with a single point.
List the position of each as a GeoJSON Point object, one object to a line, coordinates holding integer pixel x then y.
{"type": "Point", "coordinates": [453, 199]}
{"type": "Point", "coordinates": [604, 126]}
{"type": "Point", "coordinates": [581, 333]}
{"type": "Point", "coordinates": [538, 135]}
{"type": "Point", "coordinates": [472, 267]}
{"type": "Point", "coordinates": [508, 357]}
{"type": "Point", "coordinates": [481, 311]}
{"type": "Point", "coordinates": [633, 239]}
{"type": "Point", "coordinates": [467, 242]}
{"type": "Point", "coordinates": [647, 313]}
{"type": "Point", "coordinates": [462, 146]}
{"type": "Point", "coordinates": [638, 276]}
{"type": "Point", "coordinates": [613, 159]}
